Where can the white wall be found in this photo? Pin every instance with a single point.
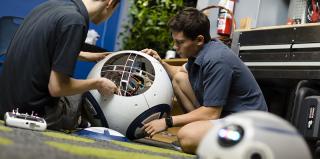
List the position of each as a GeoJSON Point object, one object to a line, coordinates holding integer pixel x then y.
{"type": "Point", "coordinates": [273, 12]}
{"type": "Point", "coordinates": [262, 12]}
{"type": "Point", "coordinates": [213, 14]}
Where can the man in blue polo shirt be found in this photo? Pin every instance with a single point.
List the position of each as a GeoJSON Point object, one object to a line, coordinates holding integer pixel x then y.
{"type": "Point", "coordinates": [212, 84]}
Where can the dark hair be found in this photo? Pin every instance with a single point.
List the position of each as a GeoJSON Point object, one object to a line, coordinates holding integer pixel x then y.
{"type": "Point", "coordinates": [192, 23]}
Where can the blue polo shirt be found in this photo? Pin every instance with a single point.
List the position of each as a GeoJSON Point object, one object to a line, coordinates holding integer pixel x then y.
{"type": "Point", "coordinates": [220, 79]}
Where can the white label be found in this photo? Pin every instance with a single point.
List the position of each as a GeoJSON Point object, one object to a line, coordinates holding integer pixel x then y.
{"type": "Point", "coordinates": [221, 24]}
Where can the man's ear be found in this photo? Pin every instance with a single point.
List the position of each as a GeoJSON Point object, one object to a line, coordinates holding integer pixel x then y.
{"type": "Point", "coordinates": [109, 3]}
{"type": "Point", "coordinates": [200, 40]}
{"type": "Point", "coordinates": [113, 3]}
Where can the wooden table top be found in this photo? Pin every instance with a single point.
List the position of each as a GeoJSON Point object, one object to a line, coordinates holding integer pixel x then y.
{"type": "Point", "coordinates": [176, 61]}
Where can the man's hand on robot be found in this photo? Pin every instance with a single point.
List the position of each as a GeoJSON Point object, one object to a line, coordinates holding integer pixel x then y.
{"type": "Point", "coordinates": [118, 91]}
{"type": "Point", "coordinates": [152, 53]}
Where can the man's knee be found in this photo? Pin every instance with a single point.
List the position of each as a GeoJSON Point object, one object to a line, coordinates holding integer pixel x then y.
{"type": "Point", "coordinates": [179, 78]}
{"type": "Point", "coordinates": [186, 138]}
{"type": "Point", "coordinates": [65, 115]}
{"type": "Point", "coordinates": [191, 134]}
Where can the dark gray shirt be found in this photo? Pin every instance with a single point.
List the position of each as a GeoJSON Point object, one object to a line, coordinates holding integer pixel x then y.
{"type": "Point", "coordinates": [50, 38]}
{"type": "Point", "coordinates": [219, 78]}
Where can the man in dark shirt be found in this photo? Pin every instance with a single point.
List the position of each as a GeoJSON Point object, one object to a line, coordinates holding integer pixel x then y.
{"type": "Point", "coordinates": [212, 84]}
{"type": "Point", "coordinates": [40, 61]}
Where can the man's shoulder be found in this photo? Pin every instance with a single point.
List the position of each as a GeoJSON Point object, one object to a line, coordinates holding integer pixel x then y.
{"type": "Point", "coordinates": [219, 51]}
{"type": "Point", "coordinates": [213, 52]}
{"type": "Point", "coordinates": [218, 46]}
{"type": "Point", "coordinates": [63, 11]}
{"type": "Point", "coordinates": [72, 18]}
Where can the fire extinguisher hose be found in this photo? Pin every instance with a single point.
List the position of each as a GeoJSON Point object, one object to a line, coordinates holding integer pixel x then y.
{"type": "Point", "coordinates": [221, 7]}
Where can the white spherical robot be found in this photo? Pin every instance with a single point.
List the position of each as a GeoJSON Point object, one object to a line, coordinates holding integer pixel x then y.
{"type": "Point", "coordinates": [145, 93]}
{"type": "Point", "coordinates": [253, 135]}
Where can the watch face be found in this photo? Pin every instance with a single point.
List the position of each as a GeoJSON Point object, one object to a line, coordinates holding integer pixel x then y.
{"type": "Point", "coordinates": [230, 135]}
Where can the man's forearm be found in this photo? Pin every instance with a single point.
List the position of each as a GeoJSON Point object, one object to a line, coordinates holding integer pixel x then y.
{"type": "Point", "coordinates": [76, 86]}
{"type": "Point", "coordinates": [92, 56]}
{"type": "Point", "coordinates": [201, 113]}
{"type": "Point", "coordinates": [171, 70]}
{"type": "Point", "coordinates": [82, 55]}
{"type": "Point", "coordinates": [61, 85]}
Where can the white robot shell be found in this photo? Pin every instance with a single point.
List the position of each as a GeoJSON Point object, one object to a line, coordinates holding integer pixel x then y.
{"type": "Point", "coordinates": [253, 135]}
{"type": "Point", "coordinates": [125, 112]}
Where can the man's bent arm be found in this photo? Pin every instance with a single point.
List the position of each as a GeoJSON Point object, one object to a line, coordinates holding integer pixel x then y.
{"type": "Point", "coordinates": [62, 85]}
{"type": "Point", "coordinates": [172, 70]}
{"type": "Point", "coordinates": [201, 113]}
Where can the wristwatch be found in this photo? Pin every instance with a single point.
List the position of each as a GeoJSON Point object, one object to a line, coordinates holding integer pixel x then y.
{"type": "Point", "coordinates": [169, 121]}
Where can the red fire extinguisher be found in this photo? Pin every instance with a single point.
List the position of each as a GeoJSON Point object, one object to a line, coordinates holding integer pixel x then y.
{"type": "Point", "coordinates": [224, 18]}
{"type": "Point", "coordinates": [313, 11]}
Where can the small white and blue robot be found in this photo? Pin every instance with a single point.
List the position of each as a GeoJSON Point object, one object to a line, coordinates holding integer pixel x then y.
{"type": "Point", "coordinates": [253, 135]}
{"type": "Point", "coordinates": [145, 93]}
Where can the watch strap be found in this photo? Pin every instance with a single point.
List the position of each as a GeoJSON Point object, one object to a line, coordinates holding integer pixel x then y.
{"type": "Point", "coordinates": [169, 121]}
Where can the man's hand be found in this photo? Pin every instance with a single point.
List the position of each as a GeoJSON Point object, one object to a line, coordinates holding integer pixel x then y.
{"type": "Point", "coordinates": [155, 126]}
{"type": "Point", "coordinates": [152, 53]}
{"type": "Point", "coordinates": [92, 57]}
{"type": "Point", "coordinates": [106, 87]}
